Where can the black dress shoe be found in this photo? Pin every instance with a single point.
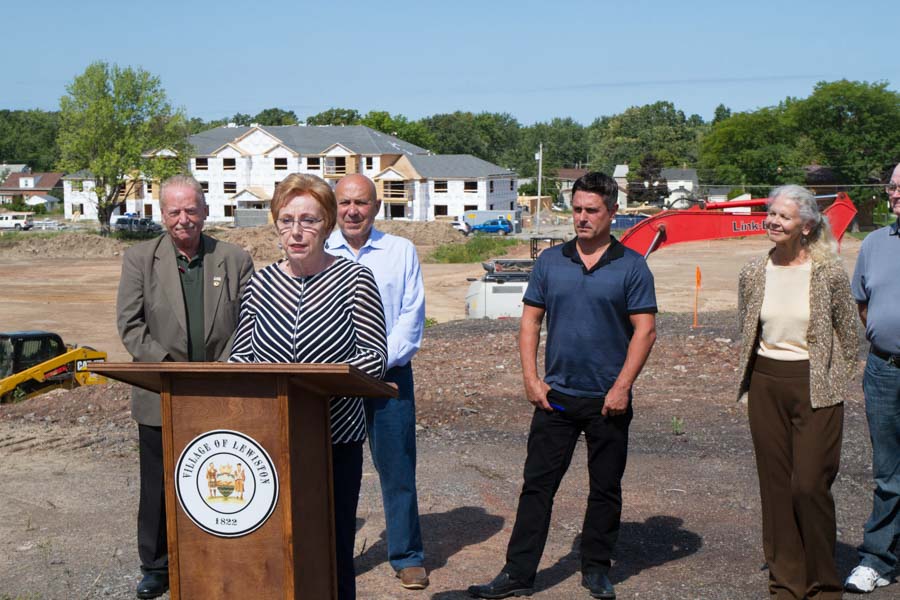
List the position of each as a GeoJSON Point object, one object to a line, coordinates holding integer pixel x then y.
{"type": "Point", "coordinates": [503, 586]}
{"type": "Point", "coordinates": [153, 584]}
{"type": "Point", "coordinates": [599, 585]}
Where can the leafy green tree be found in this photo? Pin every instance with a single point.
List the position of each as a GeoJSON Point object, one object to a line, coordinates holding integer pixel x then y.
{"type": "Point", "coordinates": [646, 185]}
{"type": "Point", "coordinates": [722, 113]}
{"type": "Point", "coordinates": [242, 119]}
{"type": "Point", "coordinates": [276, 116]}
{"type": "Point", "coordinates": [493, 137]}
{"type": "Point", "coordinates": [657, 128]}
{"type": "Point", "coordinates": [196, 125]}
{"type": "Point", "coordinates": [118, 124]}
{"type": "Point", "coordinates": [756, 150]}
{"type": "Point", "coordinates": [456, 133]}
{"type": "Point", "coordinates": [853, 126]}
{"type": "Point", "coordinates": [399, 126]}
{"type": "Point", "coordinates": [29, 137]}
{"type": "Point", "coordinates": [564, 144]}
{"type": "Point", "coordinates": [335, 116]}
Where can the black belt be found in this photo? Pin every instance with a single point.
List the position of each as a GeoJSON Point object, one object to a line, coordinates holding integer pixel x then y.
{"type": "Point", "coordinates": [892, 359]}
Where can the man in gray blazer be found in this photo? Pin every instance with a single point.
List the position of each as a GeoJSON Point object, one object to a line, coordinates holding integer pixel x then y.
{"type": "Point", "coordinates": [179, 297]}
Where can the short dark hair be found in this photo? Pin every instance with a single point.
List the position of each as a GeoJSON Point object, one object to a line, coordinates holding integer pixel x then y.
{"type": "Point", "coordinates": [598, 183]}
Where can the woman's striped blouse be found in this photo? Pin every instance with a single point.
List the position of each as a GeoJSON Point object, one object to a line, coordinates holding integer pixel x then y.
{"type": "Point", "coordinates": [334, 316]}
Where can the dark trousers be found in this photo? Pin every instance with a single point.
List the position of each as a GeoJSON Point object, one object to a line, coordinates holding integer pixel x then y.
{"type": "Point", "coordinates": [798, 452]}
{"type": "Point", "coordinates": [551, 443]}
{"type": "Point", "coordinates": [151, 531]}
{"type": "Point", "coordinates": [346, 472]}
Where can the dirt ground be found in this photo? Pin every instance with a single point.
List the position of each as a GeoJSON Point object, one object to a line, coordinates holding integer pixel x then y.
{"type": "Point", "coordinates": [68, 460]}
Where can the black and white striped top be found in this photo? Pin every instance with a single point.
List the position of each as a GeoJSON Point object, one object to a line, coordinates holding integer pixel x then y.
{"type": "Point", "coordinates": [334, 316]}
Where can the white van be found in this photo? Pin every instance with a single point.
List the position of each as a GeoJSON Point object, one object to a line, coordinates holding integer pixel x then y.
{"type": "Point", "coordinates": [18, 221]}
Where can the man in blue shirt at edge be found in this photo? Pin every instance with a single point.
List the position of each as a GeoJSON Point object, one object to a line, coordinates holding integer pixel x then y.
{"type": "Point", "coordinates": [390, 422]}
{"type": "Point", "coordinates": [600, 304]}
{"type": "Point", "coordinates": [876, 287]}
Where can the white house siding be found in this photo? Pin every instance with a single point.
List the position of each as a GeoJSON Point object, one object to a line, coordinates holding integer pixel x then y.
{"type": "Point", "coordinates": [88, 201]}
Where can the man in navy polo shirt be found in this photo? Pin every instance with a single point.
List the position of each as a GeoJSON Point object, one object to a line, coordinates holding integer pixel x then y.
{"type": "Point", "coordinates": [876, 288]}
{"type": "Point", "coordinates": [600, 305]}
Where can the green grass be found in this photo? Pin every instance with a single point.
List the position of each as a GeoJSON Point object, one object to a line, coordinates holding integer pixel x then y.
{"type": "Point", "coordinates": [478, 248]}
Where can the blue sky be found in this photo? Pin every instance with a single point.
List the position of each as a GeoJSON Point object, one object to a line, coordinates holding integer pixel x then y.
{"type": "Point", "coordinates": [534, 60]}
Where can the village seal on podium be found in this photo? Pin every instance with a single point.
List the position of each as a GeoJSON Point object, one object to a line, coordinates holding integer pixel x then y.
{"type": "Point", "coordinates": [226, 483]}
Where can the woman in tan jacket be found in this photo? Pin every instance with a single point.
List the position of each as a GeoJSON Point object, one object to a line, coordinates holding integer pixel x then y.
{"type": "Point", "coordinates": [798, 324]}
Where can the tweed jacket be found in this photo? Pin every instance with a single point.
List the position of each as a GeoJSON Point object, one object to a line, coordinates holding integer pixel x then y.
{"type": "Point", "coordinates": [831, 336]}
{"type": "Point", "coordinates": [151, 315]}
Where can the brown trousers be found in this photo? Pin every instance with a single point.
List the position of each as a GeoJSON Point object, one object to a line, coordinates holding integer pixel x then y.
{"type": "Point", "coordinates": [798, 452]}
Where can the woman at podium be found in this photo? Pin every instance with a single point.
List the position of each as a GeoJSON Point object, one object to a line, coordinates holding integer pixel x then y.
{"type": "Point", "coordinates": [311, 307]}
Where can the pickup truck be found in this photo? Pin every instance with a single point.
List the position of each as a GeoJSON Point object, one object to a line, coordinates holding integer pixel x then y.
{"type": "Point", "coordinates": [501, 226]}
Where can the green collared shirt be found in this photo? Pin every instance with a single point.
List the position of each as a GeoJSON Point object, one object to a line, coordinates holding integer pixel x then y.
{"type": "Point", "coordinates": [191, 273]}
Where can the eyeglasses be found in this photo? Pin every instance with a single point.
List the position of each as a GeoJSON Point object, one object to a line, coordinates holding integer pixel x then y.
{"type": "Point", "coordinates": [891, 188]}
{"type": "Point", "coordinates": [306, 223]}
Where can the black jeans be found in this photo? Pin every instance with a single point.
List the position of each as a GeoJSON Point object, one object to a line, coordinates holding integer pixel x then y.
{"type": "Point", "coordinates": [551, 444]}
{"type": "Point", "coordinates": [346, 471]}
{"type": "Point", "coordinates": [151, 527]}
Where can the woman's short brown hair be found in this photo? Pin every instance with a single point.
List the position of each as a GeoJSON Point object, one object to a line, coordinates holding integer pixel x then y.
{"type": "Point", "coordinates": [306, 185]}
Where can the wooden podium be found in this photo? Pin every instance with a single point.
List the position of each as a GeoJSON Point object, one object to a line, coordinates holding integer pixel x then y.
{"type": "Point", "coordinates": [247, 449]}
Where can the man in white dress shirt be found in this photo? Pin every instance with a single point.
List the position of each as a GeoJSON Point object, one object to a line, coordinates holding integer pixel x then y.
{"type": "Point", "coordinates": [390, 422]}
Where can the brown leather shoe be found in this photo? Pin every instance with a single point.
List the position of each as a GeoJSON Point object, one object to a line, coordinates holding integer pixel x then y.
{"type": "Point", "coordinates": [413, 578]}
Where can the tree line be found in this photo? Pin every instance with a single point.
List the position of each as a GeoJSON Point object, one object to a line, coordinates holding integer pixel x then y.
{"type": "Point", "coordinates": [844, 132]}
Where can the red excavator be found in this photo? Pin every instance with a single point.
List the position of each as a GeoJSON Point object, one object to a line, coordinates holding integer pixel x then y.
{"type": "Point", "coordinates": [710, 221]}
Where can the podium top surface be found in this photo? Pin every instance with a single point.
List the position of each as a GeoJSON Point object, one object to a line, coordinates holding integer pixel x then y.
{"type": "Point", "coordinates": [337, 379]}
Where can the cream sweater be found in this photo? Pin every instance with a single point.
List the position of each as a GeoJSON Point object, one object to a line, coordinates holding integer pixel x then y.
{"type": "Point", "coordinates": [784, 315]}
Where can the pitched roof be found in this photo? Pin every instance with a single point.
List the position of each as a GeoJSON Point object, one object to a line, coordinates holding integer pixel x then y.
{"type": "Point", "coordinates": [311, 139]}
{"type": "Point", "coordinates": [42, 181]}
{"type": "Point", "coordinates": [455, 166]}
{"type": "Point", "coordinates": [680, 174]}
{"type": "Point", "coordinates": [570, 174]}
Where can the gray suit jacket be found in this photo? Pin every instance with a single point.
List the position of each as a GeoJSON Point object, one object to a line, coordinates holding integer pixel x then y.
{"type": "Point", "coordinates": [151, 313]}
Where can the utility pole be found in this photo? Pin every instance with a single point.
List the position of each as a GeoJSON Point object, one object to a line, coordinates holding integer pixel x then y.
{"type": "Point", "coordinates": [540, 158]}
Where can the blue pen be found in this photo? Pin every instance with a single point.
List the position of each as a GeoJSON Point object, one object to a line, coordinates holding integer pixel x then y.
{"type": "Point", "coordinates": [557, 407]}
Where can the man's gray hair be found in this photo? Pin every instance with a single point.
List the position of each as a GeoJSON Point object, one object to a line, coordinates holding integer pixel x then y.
{"type": "Point", "coordinates": [182, 181]}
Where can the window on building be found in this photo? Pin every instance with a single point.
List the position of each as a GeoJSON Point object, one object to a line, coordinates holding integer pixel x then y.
{"type": "Point", "coordinates": [204, 185]}
{"type": "Point", "coordinates": [149, 187]}
{"type": "Point", "coordinates": [281, 164]}
{"type": "Point", "coordinates": [77, 186]}
{"type": "Point", "coordinates": [370, 162]}
{"type": "Point", "coordinates": [229, 187]}
{"type": "Point", "coordinates": [148, 211]}
{"type": "Point", "coordinates": [229, 210]}
{"type": "Point", "coordinates": [470, 187]}
{"type": "Point", "coordinates": [123, 192]}
{"type": "Point", "coordinates": [512, 205]}
{"type": "Point", "coordinates": [394, 189]}
{"type": "Point", "coordinates": [491, 186]}
{"type": "Point", "coordinates": [511, 185]}
{"type": "Point", "coordinates": [313, 163]}
{"type": "Point", "coordinates": [201, 164]}
{"type": "Point", "coordinates": [78, 208]}
{"type": "Point", "coordinates": [469, 207]}
{"type": "Point", "coordinates": [440, 186]}
{"type": "Point", "coordinates": [229, 164]}
{"type": "Point", "coordinates": [440, 210]}
{"type": "Point", "coordinates": [398, 211]}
